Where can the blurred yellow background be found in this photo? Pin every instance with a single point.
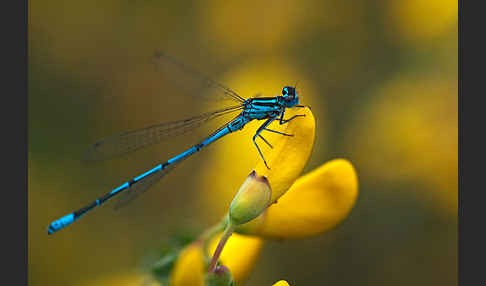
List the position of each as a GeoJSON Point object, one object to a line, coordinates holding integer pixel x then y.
{"type": "Point", "coordinates": [381, 77]}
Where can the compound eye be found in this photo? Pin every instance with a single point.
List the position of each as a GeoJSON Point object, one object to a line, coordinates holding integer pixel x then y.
{"type": "Point", "coordinates": [285, 91]}
{"type": "Point", "coordinates": [289, 97]}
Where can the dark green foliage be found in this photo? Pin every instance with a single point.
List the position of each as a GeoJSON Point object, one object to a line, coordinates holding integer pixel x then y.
{"type": "Point", "coordinates": [169, 253]}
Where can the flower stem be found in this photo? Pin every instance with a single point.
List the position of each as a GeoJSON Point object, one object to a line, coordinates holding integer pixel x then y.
{"type": "Point", "coordinates": [205, 237]}
{"type": "Point", "coordinates": [217, 253]}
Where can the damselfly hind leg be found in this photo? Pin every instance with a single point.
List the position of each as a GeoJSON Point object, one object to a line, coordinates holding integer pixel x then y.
{"type": "Point", "coordinates": [265, 140]}
{"type": "Point", "coordinates": [257, 134]}
{"type": "Point", "coordinates": [260, 152]}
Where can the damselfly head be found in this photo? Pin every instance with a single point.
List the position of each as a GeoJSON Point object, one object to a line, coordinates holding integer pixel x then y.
{"type": "Point", "coordinates": [290, 96]}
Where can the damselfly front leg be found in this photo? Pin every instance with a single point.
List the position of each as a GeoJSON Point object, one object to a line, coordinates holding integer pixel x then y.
{"type": "Point", "coordinates": [283, 121]}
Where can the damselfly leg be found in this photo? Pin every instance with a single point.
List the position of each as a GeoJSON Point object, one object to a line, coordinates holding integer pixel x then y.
{"type": "Point", "coordinates": [281, 133]}
{"type": "Point", "coordinates": [257, 133]}
{"type": "Point", "coordinates": [265, 140]}
{"type": "Point", "coordinates": [283, 121]}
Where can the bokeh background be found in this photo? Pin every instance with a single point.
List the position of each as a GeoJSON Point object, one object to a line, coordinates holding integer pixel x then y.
{"type": "Point", "coordinates": [381, 77]}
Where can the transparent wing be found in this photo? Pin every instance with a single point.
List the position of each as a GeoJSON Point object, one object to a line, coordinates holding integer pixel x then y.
{"type": "Point", "coordinates": [143, 185]}
{"type": "Point", "coordinates": [192, 82]}
{"type": "Point", "coordinates": [133, 140]}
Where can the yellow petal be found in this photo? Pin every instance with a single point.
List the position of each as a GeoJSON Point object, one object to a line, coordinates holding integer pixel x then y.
{"type": "Point", "coordinates": [239, 254]}
{"type": "Point", "coordinates": [288, 158]}
{"type": "Point", "coordinates": [189, 268]}
{"type": "Point", "coordinates": [317, 202]}
{"type": "Point", "coordinates": [281, 283]}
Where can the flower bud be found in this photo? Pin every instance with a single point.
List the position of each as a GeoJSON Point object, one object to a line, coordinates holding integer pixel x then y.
{"type": "Point", "coordinates": [251, 200]}
{"type": "Point", "coordinates": [221, 276]}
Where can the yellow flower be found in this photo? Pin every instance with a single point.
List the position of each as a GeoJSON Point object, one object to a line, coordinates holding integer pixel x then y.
{"type": "Point", "coordinates": [305, 206]}
{"type": "Point", "coordinates": [315, 203]}
{"type": "Point", "coordinates": [281, 283]}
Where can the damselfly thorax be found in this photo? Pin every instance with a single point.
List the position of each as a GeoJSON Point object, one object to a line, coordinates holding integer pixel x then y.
{"type": "Point", "coordinates": [262, 108]}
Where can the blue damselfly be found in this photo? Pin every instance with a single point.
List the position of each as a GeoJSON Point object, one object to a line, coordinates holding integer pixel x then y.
{"type": "Point", "coordinates": [255, 108]}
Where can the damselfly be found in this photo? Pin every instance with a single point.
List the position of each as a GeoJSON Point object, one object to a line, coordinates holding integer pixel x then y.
{"type": "Point", "coordinates": [256, 108]}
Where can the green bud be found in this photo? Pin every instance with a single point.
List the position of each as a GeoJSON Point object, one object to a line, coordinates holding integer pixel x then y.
{"type": "Point", "coordinates": [251, 200]}
{"type": "Point", "coordinates": [221, 276]}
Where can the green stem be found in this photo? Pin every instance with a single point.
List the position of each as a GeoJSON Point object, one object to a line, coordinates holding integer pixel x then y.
{"type": "Point", "coordinates": [217, 253]}
{"type": "Point", "coordinates": [206, 236]}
